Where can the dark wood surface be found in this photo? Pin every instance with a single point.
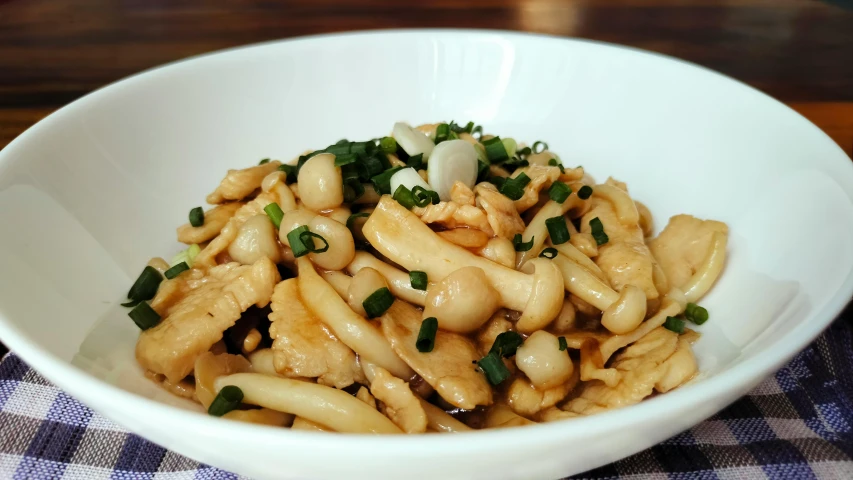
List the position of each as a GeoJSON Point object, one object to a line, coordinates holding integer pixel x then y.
{"type": "Point", "coordinates": [52, 52]}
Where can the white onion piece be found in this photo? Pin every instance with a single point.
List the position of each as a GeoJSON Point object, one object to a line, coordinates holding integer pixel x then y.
{"type": "Point", "coordinates": [452, 161]}
{"type": "Point", "coordinates": [412, 141]}
{"type": "Point", "coordinates": [408, 177]}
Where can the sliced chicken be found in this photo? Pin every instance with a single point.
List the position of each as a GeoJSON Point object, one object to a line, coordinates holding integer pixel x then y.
{"type": "Point", "coordinates": [500, 211]}
{"type": "Point", "coordinates": [450, 367]}
{"type": "Point", "coordinates": [400, 404]}
{"type": "Point", "coordinates": [541, 177]}
{"type": "Point", "coordinates": [198, 307]}
{"type": "Point", "coordinates": [683, 245]}
{"type": "Point", "coordinates": [527, 400]}
{"type": "Point", "coordinates": [214, 220]}
{"type": "Point", "coordinates": [303, 346]}
{"type": "Point", "coordinates": [239, 184]}
{"type": "Point", "coordinates": [454, 215]}
{"type": "Point", "coordinates": [461, 194]}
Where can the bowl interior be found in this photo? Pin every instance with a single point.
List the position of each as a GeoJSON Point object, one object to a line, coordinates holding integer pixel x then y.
{"type": "Point", "coordinates": [94, 191]}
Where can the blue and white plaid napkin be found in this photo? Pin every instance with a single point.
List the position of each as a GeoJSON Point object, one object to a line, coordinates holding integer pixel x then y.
{"type": "Point", "coordinates": [795, 425]}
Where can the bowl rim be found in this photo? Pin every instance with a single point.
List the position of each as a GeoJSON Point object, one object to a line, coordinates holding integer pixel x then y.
{"type": "Point", "coordinates": [735, 379]}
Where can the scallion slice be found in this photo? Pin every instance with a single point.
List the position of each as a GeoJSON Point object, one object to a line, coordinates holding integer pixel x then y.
{"type": "Point", "coordinates": [307, 239]}
{"type": "Point", "coordinates": [274, 212]}
{"type": "Point", "coordinates": [264, 161]}
{"type": "Point", "coordinates": [559, 192]}
{"type": "Point", "coordinates": [416, 161]}
{"type": "Point", "coordinates": [554, 163]}
{"type": "Point", "coordinates": [226, 400]}
{"type": "Point", "coordinates": [378, 302]}
{"type": "Point", "coordinates": [539, 147]}
{"type": "Point", "coordinates": [388, 144]}
{"type": "Point", "coordinates": [144, 316]}
{"type": "Point", "coordinates": [382, 182]}
{"type": "Point", "coordinates": [197, 217]}
{"type": "Point", "coordinates": [145, 286]}
{"type": "Point", "coordinates": [674, 324]}
{"type": "Point", "coordinates": [418, 279]}
{"type": "Point", "coordinates": [176, 270]}
{"type": "Point", "coordinates": [494, 369]}
{"type": "Point", "coordinates": [355, 216]}
{"type": "Point", "coordinates": [514, 187]}
{"type": "Point", "coordinates": [426, 335]}
{"type": "Point", "coordinates": [521, 246]}
{"type": "Point", "coordinates": [495, 150]}
{"type": "Point", "coordinates": [506, 344]}
{"type": "Point", "coordinates": [597, 231]}
{"type": "Point", "coordinates": [289, 173]}
{"type": "Point", "coordinates": [563, 344]}
{"type": "Point", "coordinates": [297, 245]}
{"type": "Point", "coordinates": [557, 230]}
{"type": "Point", "coordinates": [442, 132]}
{"type": "Point", "coordinates": [477, 132]}
{"type": "Point", "coordinates": [345, 159]}
{"type": "Point", "coordinates": [404, 197]}
{"type": "Point", "coordinates": [585, 192]}
{"type": "Point", "coordinates": [421, 196]}
{"type": "Point", "coordinates": [696, 314]}
{"type": "Point", "coordinates": [549, 253]}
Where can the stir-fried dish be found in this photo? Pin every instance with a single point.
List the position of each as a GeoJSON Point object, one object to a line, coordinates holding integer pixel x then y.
{"type": "Point", "coordinates": [434, 280]}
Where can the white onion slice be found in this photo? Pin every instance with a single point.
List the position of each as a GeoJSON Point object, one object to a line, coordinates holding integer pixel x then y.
{"type": "Point", "coordinates": [408, 177]}
{"type": "Point", "coordinates": [412, 141]}
{"type": "Point", "coordinates": [452, 161]}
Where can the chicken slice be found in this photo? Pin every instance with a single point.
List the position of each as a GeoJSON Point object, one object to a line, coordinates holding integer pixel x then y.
{"type": "Point", "coordinates": [400, 404]}
{"type": "Point", "coordinates": [454, 215]}
{"type": "Point", "coordinates": [450, 367]}
{"type": "Point", "coordinates": [239, 184]}
{"type": "Point", "coordinates": [201, 305]}
{"type": "Point", "coordinates": [461, 194]}
{"type": "Point", "coordinates": [527, 400]}
{"type": "Point", "coordinates": [682, 246]}
{"type": "Point", "coordinates": [500, 211]}
{"type": "Point", "coordinates": [364, 395]}
{"type": "Point", "coordinates": [214, 219]}
{"type": "Point", "coordinates": [541, 177]}
{"type": "Point", "coordinates": [303, 346]}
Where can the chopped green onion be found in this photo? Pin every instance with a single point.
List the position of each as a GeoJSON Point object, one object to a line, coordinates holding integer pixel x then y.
{"type": "Point", "coordinates": [481, 153]}
{"type": "Point", "coordinates": [514, 187]}
{"type": "Point", "coordinates": [145, 286]}
{"type": "Point", "coordinates": [456, 128]}
{"type": "Point", "coordinates": [426, 335]}
{"type": "Point", "coordinates": [345, 159]}
{"type": "Point", "coordinates": [563, 344]}
{"type": "Point", "coordinates": [521, 246]}
{"type": "Point", "coordinates": [144, 316]}
{"type": "Point", "coordinates": [498, 182]}
{"type": "Point", "coordinates": [416, 161]}
{"type": "Point", "coordinates": [307, 239]}
{"type": "Point", "coordinates": [442, 131]}
{"type": "Point", "coordinates": [477, 132]}
{"type": "Point", "coordinates": [378, 302]}
{"type": "Point", "coordinates": [353, 190]}
{"type": "Point", "coordinates": [559, 192]}
{"type": "Point", "coordinates": [352, 218]}
{"type": "Point", "coordinates": [264, 161]}
{"type": "Point", "coordinates": [585, 192]}
{"type": "Point", "coordinates": [372, 165]}
{"type": "Point", "coordinates": [176, 270]}
{"type": "Point", "coordinates": [404, 197]}
{"type": "Point", "coordinates": [388, 144]}
{"type": "Point", "coordinates": [297, 244]}
{"type": "Point", "coordinates": [382, 182]}
{"type": "Point", "coordinates": [557, 230]}
{"type": "Point", "coordinates": [274, 212]}
{"type": "Point", "coordinates": [554, 163]}
{"type": "Point", "coordinates": [419, 280]}
{"type": "Point", "coordinates": [289, 173]}
{"type": "Point", "coordinates": [506, 344]}
{"type": "Point", "coordinates": [495, 150]}
{"type": "Point", "coordinates": [226, 400]}
{"type": "Point", "coordinates": [674, 324]}
{"type": "Point", "coordinates": [597, 230]}
{"type": "Point", "coordinates": [482, 171]}
{"type": "Point", "coordinates": [549, 253]}
{"type": "Point", "coordinates": [696, 314]}
{"type": "Point", "coordinates": [494, 369]}
{"type": "Point", "coordinates": [524, 152]}
{"type": "Point", "coordinates": [338, 149]}
{"type": "Point", "coordinates": [362, 148]}
{"type": "Point", "coordinates": [510, 145]}
{"type": "Point", "coordinates": [197, 217]}
{"type": "Point", "coordinates": [536, 146]}
{"type": "Point", "coordinates": [422, 196]}
{"type": "Point", "coordinates": [187, 256]}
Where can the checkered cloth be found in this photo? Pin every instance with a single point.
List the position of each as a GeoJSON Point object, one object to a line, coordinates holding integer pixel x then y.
{"type": "Point", "coordinates": [795, 425]}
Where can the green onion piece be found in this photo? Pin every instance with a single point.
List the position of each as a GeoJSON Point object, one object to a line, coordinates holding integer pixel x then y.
{"type": "Point", "coordinates": [521, 246]}
{"type": "Point", "coordinates": [514, 187]}
{"type": "Point", "coordinates": [264, 161]}
{"type": "Point", "coordinates": [197, 217]}
{"type": "Point", "coordinates": [477, 132]}
{"type": "Point", "coordinates": [372, 165]}
{"type": "Point", "coordinates": [419, 280]}
{"type": "Point", "coordinates": [422, 196]}
{"type": "Point", "coordinates": [353, 190]}
{"type": "Point", "coordinates": [563, 344]}
{"type": "Point", "coordinates": [434, 197]}
{"type": "Point", "coordinates": [559, 192]}
{"type": "Point", "coordinates": [378, 302]}
{"type": "Point", "coordinates": [442, 131]}
{"type": "Point", "coordinates": [306, 238]}
{"type": "Point", "coordinates": [498, 182]}
{"type": "Point", "coordinates": [521, 179]}
{"type": "Point", "coordinates": [549, 253]}
{"type": "Point", "coordinates": [495, 150]}
{"type": "Point", "coordinates": [597, 230]}
{"type": "Point", "coordinates": [345, 159]}
{"type": "Point", "coordinates": [144, 316]}
{"type": "Point", "coordinates": [482, 171]}
{"type": "Point", "coordinates": [494, 369]}
{"type": "Point", "coordinates": [426, 335]}
{"type": "Point", "coordinates": [416, 161]}
{"type": "Point", "coordinates": [388, 145]}
{"type": "Point", "coordinates": [557, 230]}
{"type": "Point", "coordinates": [382, 182]}
{"type": "Point", "coordinates": [226, 400]}
{"type": "Point", "coordinates": [338, 149]}
{"type": "Point", "coordinates": [674, 324]}
{"type": "Point", "coordinates": [275, 214]}
{"type": "Point", "coordinates": [352, 218]}
{"type": "Point", "coordinates": [289, 173]}
{"type": "Point", "coordinates": [585, 192]}
{"type": "Point", "coordinates": [297, 244]}
{"type": "Point", "coordinates": [554, 163]}
{"type": "Point", "coordinates": [696, 314]}
{"type": "Point", "coordinates": [539, 147]}
{"type": "Point", "coordinates": [481, 153]}
{"type": "Point", "coordinates": [506, 344]}
{"type": "Point", "coordinates": [176, 270]}
{"type": "Point", "coordinates": [404, 197]}
{"type": "Point", "coordinates": [145, 286]}
{"type": "Point", "coordinates": [187, 255]}
{"type": "Point", "coordinates": [510, 146]}
{"type": "Point", "coordinates": [362, 148]}
{"type": "Point", "coordinates": [524, 152]}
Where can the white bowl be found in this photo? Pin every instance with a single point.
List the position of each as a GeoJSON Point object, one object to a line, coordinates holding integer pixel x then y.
{"type": "Point", "coordinates": [89, 194]}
